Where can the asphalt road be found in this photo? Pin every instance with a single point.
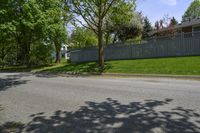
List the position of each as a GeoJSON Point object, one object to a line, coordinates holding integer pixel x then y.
{"type": "Point", "coordinates": [53, 104]}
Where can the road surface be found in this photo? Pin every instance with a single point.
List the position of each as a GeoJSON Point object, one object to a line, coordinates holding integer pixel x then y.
{"type": "Point", "coordinates": [53, 104]}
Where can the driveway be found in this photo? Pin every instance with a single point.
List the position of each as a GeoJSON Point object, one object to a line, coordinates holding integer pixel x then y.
{"type": "Point", "coordinates": [53, 104]}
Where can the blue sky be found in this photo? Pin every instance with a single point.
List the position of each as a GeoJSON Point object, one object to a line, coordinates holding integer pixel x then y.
{"type": "Point", "coordinates": [156, 9]}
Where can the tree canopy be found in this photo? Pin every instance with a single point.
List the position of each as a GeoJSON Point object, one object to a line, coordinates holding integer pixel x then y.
{"type": "Point", "coordinates": [193, 10]}
{"type": "Point", "coordinates": [118, 19]}
{"type": "Point", "coordinates": [32, 25]}
{"type": "Point", "coordinates": [147, 28]}
{"type": "Point", "coordinates": [94, 12]}
{"type": "Point", "coordinates": [82, 38]}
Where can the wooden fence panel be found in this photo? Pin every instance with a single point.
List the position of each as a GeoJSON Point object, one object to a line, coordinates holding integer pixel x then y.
{"type": "Point", "coordinates": [167, 47]}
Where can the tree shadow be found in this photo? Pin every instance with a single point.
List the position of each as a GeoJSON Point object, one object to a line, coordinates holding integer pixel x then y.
{"type": "Point", "coordinates": [115, 117]}
{"type": "Point", "coordinates": [12, 81]}
{"type": "Point", "coordinates": [88, 67]}
{"type": "Point", "coordinates": [46, 75]}
{"type": "Point", "coordinates": [18, 75]}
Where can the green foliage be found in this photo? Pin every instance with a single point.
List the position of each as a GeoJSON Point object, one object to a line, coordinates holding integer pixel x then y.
{"type": "Point", "coordinates": [147, 29]}
{"type": "Point", "coordinates": [173, 22]}
{"type": "Point", "coordinates": [132, 29]}
{"type": "Point", "coordinates": [26, 24]}
{"type": "Point", "coordinates": [82, 38]}
{"type": "Point", "coordinates": [41, 54]}
{"type": "Point", "coordinates": [120, 16]}
{"type": "Point", "coordinates": [95, 13]}
{"type": "Point", "coordinates": [192, 11]}
{"type": "Point", "coordinates": [136, 40]}
{"type": "Point", "coordinates": [56, 31]}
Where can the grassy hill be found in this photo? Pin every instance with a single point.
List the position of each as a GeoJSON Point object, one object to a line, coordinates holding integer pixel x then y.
{"type": "Point", "coordinates": [173, 65]}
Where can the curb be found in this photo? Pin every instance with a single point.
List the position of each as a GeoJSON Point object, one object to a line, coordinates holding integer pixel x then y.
{"type": "Point", "coordinates": [74, 74]}
{"type": "Point", "coordinates": [152, 75]}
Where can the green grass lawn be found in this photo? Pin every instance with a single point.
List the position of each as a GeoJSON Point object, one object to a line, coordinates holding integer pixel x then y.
{"type": "Point", "coordinates": [174, 65]}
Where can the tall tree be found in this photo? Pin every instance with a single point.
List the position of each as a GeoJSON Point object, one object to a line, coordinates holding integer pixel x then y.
{"type": "Point", "coordinates": [58, 36]}
{"type": "Point", "coordinates": [82, 38]}
{"type": "Point", "coordinates": [147, 29]}
{"type": "Point", "coordinates": [117, 18]}
{"type": "Point", "coordinates": [172, 22]}
{"type": "Point", "coordinates": [166, 22]}
{"type": "Point", "coordinates": [157, 25]}
{"type": "Point", "coordinates": [132, 29]}
{"type": "Point", "coordinates": [58, 10]}
{"type": "Point", "coordinates": [94, 13]}
{"type": "Point", "coordinates": [166, 26]}
{"type": "Point", "coordinates": [23, 21]}
{"type": "Point", "coordinates": [33, 22]}
{"type": "Point", "coordinates": [192, 11]}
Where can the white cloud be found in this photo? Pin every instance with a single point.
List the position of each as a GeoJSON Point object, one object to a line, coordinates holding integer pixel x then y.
{"type": "Point", "coordinates": [170, 2]}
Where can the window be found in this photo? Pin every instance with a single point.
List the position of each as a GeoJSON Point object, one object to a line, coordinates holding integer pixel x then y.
{"type": "Point", "coordinates": [196, 29]}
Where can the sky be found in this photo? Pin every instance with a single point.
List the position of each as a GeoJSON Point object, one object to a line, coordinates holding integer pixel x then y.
{"type": "Point", "coordinates": [157, 9]}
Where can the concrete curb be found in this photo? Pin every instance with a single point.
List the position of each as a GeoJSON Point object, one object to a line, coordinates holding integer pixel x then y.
{"type": "Point", "coordinates": [71, 74]}
{"type": "Point", "coordinates": [74, 74]}
{"type": "Point", "coordinates": [152, 75]}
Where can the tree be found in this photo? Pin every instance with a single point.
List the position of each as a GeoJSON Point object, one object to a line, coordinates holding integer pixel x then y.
{"type": "Point", "coordinates": [147, 29]}
{"type": "Point", "coordinates": [33, 22]}
{"type": "Point", "coordinates": [165, 22]}
{"type": "Point", "coordinates": [22, 21]}
{"type": "Point", "coordinates": [192, 11]}
{"type": "Point", "coordinates": [94, 13]}
{"type": "Point", "coordinates": [173, 22]}
{"type": "Point", "coordinates": [166, 26]}
{"type": "Point", "coordinates": [57, 33]}
{"type": "Point", "coordinates": [117, 18]}
{"type": "Point", "coordinates": [58, 36]}
{"type": "Point", "coordinates": [82, 37]}
{"type": "Point", "coordinates": [132, 29]}
{"type": "Point", "coordinates": [7, 49]}
{"type": "Point", "coordinates": [157, 25]}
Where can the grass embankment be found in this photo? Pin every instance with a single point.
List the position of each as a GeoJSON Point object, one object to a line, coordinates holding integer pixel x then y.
{"type": "Point", "coordinates": [174, 66]}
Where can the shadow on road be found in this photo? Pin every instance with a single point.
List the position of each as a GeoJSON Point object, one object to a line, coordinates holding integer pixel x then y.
{"type": "Point", "coordinates": [46, 75]}
{"type": "Point", "coordinates": [11, 81]}
{"type": "Point", "coordinates": [112, 116]}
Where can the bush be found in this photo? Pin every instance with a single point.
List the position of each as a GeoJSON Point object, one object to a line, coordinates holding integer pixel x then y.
{"type": "Point", "coordinates": [41, 54]}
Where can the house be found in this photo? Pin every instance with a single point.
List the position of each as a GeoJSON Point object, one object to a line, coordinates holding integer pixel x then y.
{"type": "Point", "coordinates": [188, 27]}
{"type": "Point", "coordinates": [65, 51]}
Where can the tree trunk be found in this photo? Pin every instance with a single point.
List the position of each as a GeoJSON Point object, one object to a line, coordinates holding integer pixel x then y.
{"type": "Point", "coordinates": [3, 54]}
{"type": "Point", "coordinates": [57, 57]}
{"type": "Point", "coordinates": [27, 55]}
{"type": "Point", "coordinates": [107, 38]}
{"type": "Point", "coordinates": [115, 37]}
{"type": "Point", "coordinates": [101, 49]}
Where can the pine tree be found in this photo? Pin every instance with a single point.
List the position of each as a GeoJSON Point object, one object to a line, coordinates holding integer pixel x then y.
{"type": "Point", "coordinates": [147, 29]}
{"type": "Point", "coordinates": [173, 22]}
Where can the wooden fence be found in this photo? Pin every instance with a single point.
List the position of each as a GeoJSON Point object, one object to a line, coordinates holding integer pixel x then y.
{"type": "Point", "coordinates": [180, 45]}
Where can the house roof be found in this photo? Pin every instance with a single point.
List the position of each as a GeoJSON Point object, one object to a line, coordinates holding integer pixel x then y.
{"type": "Point", "coordinates": [189, 23]}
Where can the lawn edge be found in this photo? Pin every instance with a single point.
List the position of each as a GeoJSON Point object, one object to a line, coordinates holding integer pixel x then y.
{"type": "Point", "coordinates": [153, 75]}
{"type": "Point", "coordinates": [125, 75]}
